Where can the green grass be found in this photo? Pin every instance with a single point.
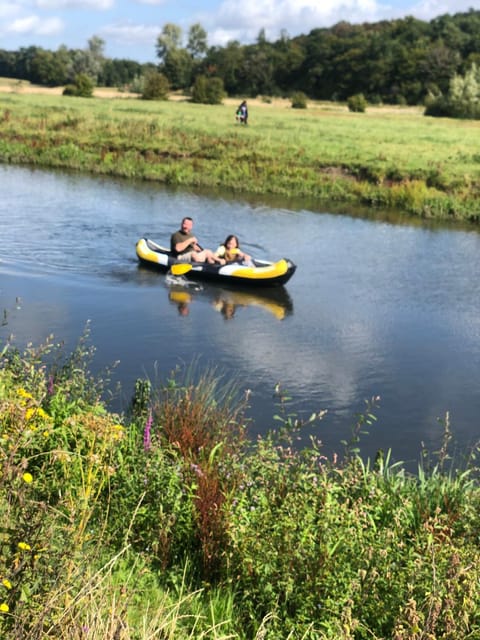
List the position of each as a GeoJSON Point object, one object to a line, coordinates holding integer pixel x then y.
{"type": "Point", "coordinates": [389, 158]}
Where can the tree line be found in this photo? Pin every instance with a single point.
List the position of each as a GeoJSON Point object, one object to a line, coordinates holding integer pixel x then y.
{"type": "Point", "coordinates": [404, 61]}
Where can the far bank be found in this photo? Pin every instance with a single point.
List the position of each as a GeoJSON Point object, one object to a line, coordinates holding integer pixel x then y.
{"type": "Point", "coordinates": [389, 158]}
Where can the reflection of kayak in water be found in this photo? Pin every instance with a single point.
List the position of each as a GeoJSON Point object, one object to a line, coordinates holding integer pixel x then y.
{"type": "Point", "coordinates": [226, 301]}
{"type": "Point", "coordinates": [260, 274]}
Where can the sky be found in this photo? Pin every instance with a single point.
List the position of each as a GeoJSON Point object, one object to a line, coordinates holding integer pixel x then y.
{"type": "Point", "coordinates": [130, 28]}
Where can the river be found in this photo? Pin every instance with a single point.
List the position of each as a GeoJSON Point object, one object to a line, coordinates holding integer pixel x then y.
{"type": "Point", "coordinates": [376, 308]}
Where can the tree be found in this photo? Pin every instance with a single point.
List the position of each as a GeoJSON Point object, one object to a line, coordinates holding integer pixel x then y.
{"type": "Point", "coordinates": [178, 67]}
{"type": "Point", "coordinates": [228, 63]}
{"type": "Point", "coordinates": [262, 37]}
{"type": "Point", "coordinates": [87, 61]}
{"type": "Point", "coordinates": [49, 68]}
{"type": "Point", "coordinates": [7, 64]}
{"type": "Point", "coordinates": [197, 41]}
{"type": "Point", "coordinates": [466, 89]}
{"type": "Point", "coordinates": [463, 99]}
{"type": "Point", "coordinates": [169, 40]}
{"type": "Point", "coordinates": [120, 73]}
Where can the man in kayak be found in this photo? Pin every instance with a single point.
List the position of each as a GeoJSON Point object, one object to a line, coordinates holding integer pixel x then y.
{"type": "Point", "coordinates": [185, 248]}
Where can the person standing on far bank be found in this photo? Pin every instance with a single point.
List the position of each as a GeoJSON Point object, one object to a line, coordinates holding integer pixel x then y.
{"type": "Point", "coordinates": [242, 113]}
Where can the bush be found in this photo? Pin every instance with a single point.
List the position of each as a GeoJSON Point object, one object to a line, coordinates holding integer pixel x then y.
{"type": "Point", "coordinates": [155, 86]}
{"type": "Point", "coordinates": [462, 100]}
{"type": "Point", "coordinates": [82, 87]}
{"type": "Point", "coordinates": [357, 103]}
{"type": "Point", "coordinates": [208, 90]}
{"type": "Point", "coordinates": [70, 90]}
{"type": "Point", "coordinates": [299, 100]}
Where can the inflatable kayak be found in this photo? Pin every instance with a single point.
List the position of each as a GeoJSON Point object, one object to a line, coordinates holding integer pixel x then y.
{"type": "Point", "coordinates": [259, 274]}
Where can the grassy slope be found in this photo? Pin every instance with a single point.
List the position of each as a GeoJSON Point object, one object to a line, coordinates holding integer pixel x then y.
{"type": "Point", "coordinates": [386, 157]}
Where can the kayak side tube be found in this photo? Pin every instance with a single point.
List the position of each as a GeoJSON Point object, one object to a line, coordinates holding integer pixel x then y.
{"type": "Point", "coordinates": [150, 253]}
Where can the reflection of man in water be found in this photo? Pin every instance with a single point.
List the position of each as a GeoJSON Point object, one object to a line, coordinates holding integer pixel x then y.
{"type": "Point", "coordinates": [182, 299]}
{"type": "Point", "coordinates": [183, 309]}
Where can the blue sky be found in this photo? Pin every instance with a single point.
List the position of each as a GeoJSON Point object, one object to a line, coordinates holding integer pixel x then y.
{"type": "Point", "coordinates": [130, 27]}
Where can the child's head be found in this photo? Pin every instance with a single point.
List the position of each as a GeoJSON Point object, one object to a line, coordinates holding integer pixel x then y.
{"type": "Point", "coordinates": [231, 242]}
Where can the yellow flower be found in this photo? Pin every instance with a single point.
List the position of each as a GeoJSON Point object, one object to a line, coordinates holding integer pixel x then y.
{"type": "Point", "coordinates": [24, 394]}
{"type": "Point", "coordinates": [118, 431]}
{"type": "Point", "coordinates": [24, 546]}
{"type": "Point", "coordinates": [6, 583]}
{"type": "Point", "coordinates": [4, 608]}
{"type": "Point", "coordinates": [27, 477]}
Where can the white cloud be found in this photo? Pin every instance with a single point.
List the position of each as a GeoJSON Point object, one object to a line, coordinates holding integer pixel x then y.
{"type": "Point", "coordinates": [243, 23]}
{"type": "Point", "coordinates": [99, 5]}
{"type": "Point", "coordinates": [129, 33]}
{"type": "Point", "coordinates": [428, 9]}
{"type": "Point", "coordinates": [297, 16]}
{"type": "Point", "coordinates": [36, 26]}
{"type": "Point", "coordinates": [152, 2]}
{"type": "Point", "coordinates": [9, 9]}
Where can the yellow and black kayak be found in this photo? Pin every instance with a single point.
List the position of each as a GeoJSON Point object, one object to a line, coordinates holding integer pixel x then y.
{"type": "Point", "coordinates": [260, 273]}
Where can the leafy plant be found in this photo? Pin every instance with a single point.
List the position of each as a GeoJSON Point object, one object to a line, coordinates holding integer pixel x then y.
{"type": "Point", "coordinates": [155, 86]}
{"type": "Point", "coordinates": [357, 103]}
{"type": "Point", "coordinates": [299, 100]}
{"type": "Point", "coordinates": [208, 90]}
{"type": "Point", "coordinates": [81, 87]}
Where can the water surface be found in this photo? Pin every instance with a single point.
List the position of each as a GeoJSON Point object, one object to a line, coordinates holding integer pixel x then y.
{"type": "Point", "coordinates": [375, 307]}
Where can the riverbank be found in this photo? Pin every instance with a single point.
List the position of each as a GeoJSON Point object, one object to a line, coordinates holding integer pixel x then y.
{"type": "Point", "coordinates": [386, 158]}
{"type": "Point", "coordinates": [167, 522]}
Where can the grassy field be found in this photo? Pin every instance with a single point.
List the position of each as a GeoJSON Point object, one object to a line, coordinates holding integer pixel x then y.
{"type": "Point", "coordinates": [385, 158]}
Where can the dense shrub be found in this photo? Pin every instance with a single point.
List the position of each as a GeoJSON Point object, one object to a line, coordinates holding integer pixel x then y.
{"type": "Point", "coordinates": [357, 103]}
{"type": "Point", "coordinates": [462, 100]}
{"type": "Point", "coordinates": [155, 86]}
{"type": "Point", "coordinates": [299, 100]}
{"type": "Point", "coordinates": [82, 87]}
{"type": "Point", "coordinates": [208, 90]}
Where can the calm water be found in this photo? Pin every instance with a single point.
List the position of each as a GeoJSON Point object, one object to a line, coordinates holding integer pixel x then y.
{"type": "Point", "coordinates": [375, 308]}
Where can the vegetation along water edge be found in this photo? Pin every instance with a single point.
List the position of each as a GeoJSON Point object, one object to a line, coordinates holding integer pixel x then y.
{"type": "Point", "coordinates": [167, 522]}
{"type": "Point", "coordinates": [387, 158]}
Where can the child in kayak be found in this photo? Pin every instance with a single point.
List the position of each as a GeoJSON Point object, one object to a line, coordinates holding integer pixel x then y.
{"type": "Point", "coordinates": [231, 252]}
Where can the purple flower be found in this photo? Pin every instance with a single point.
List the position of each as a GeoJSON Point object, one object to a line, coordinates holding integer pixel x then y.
{"type": "Point", "coordinates": [147, 436]}
{"type": "Point", "coordinates": [50, 386]}
{"type": "Point", "coordinates": [197, 470]}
